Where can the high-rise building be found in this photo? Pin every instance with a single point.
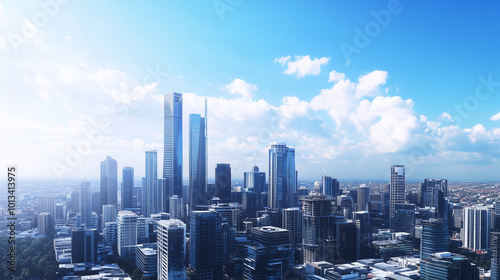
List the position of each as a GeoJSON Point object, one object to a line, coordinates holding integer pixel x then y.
{"type": "Point", "coordinates": [434, 239]}
{"type": "Point", "coordinates": [205, 252]}
{"type": "Point", "coordinates": [197, 161]}
{"type": "Point", "coordinates": [292, 221]}
{"type": "Point", "coordinates": [46, 204]}
{"type": "Point", "coordinates": [171, 249]}
{"type": "Point", "coordinates": [172, 156]}
{"type": "Point", "coordinates": [397, 187]}
{"type": "Point", "coordinates": [127, 187]}
{"type": "Point", "coordinates": [108, 214]}
{"type": "Point", "coordinates": [85, 205]}
{"type": "Point", "coordinates": [152, 187]}
{"type": "Point", "coordinates": [230, 213]}
{"type": "Point", "coordinates": [146, 259]}
{"type": "Point", "coordinates": [255, 181]}
{"type": "Point", "coordinates": [495, 255]}
{"type": "Point", "coordinates": [176, 207]}
{"type": "Point", "coordinates": [282, 177]}
{"type": "Point", "coordinates": [223, 182]}
{"type": "Point", "coordinates": [429, 191]}
{"type": "Point", "coordinates": [109, 183]}
{"type": "Point", "coordinates": [111, 235]}
{"type": "Point", "coordinates": [363, 198]}
{"type": "Point", "coordinates": [476, 229]}
{"type": "Point", "coordinates": [345, 245]}
{"type": "Point", "coordinates": [60, 212]}
{"type": "Point", "coordinates": [330, 186]}
{"type": "Point", "coordinates": [44, 221]}
{"type": "Point", "coordinates": [127, 234]}
{"type": "Point", "coordinates": [84, 246]}
{"type": "Point", "coordinates": [448, 266]}
{"type": "Point", "coordinates": [363, 234]}
{"type": "Point", "coordinates": [404, 219]}
{"type": "Point", "coordinates": [319, 229]}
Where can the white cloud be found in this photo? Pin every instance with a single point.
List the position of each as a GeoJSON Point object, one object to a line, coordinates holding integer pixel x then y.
{"type": "Point", "coordinates": [240, 87]}
{"type": "Point", "coordinates": [368, 85]}
{"type": "Point", "coordinates": [303, 65]}
{"type": "Point", "coordinates": [336, 76]}
{"type": "Point", "coordinates": [444, 116]}
{"type": "Point", "coordinates": [495, 117]}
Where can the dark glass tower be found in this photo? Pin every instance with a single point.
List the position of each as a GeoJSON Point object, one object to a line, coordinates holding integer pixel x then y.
{"type": "Point", "coordinates": [127, 187]}
{"type": "Point", "coordinates": [197, 161]}
{"type": "Point", "coordinates": [172, 149]}
{"type": "Point", "coordinates": [205, 252]}
{"type": "Point", "coordinates": [434, 238]}
{"type": "Point", "coordinates": [255, 182]}
{"type": "Point", "coordinates": [223, 182]}
{"type": "Point", "coordinates": [84, 246]}
{"type": "Point", "coordinates": [109, 183]}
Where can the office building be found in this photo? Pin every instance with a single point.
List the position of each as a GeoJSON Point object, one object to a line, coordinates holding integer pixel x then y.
{"type": "Point", "coordinates": [45, 225]}
{"type": "Point", "coordinates": [397, 189]}
{"type": "Point", "coordinates": [85, 204]}
{"type": "Point", "coordinates": [476, 229]}
{"type": "Point", "coordinates": [363, 198]}
{"type": "Point", "coordinates": [197, 161]}
{"type": "Point", "coordinates": [429, 191]}
{"type": "Point", "coordinates": [110, 232]}
{"type": "Point", "coordinates": [282, 190]}
{"type": "Point", "coordinates": [255, 182]}
{"type": "Point", "coordinates": [229, 212]}
{"type": "Point", "coordinates": [84, 246]}
{"type": "Point", "coordinates": [127, 234]}
{"type": "Point", "coordinates": [172, 153]}
{"type": "Point", "coordinates": [205, 252]}
{"type": "Point", "coordinates": [46, 204]}
{"type": "Point", "coordinates": [109, 183]}
{"type": "Point", "coordinates": [146, 259]}
{"type": "Point", "coordinates": [495, 255]}
{"type": "Point", "coordinates": [404, 219]}
{"type": "Point", "coordinates": [330, 186]}
{"type": "Point", "coordinates": [171, 249]}
{"type": "Point", "coordinates": [176, 207]}
{"type": "Point", "coordinates": [127, 188]}
{"type": "Point", "coordinates": [363, 234]}
{"type": "Point", "coordinates": [345, 243]}
{"type": "Point", "coordinates": [292, 221]}
{"type": "Point", "coordinates": [434, 239]}
{"type": "Point", "coordinates": [223, 182]}
{"type": "Point", "coordinates": [108, 214]}
{"type": "Point", "coordinates": [319, 229]}
{"type": "Point", "coordinates": [152, 187]}
{"type": "Point", "coordinates": [448, 266]}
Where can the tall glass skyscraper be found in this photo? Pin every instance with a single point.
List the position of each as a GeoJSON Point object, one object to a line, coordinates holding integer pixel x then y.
{"type": "Point", "coordinates": [85, 205]}
{"type": "Point", "coordinates": [127, 187]}
{"type": "Point", "coordinates": [223, 182]}
{"type": "Point", "coordinates": [172, 160]}
{"type": "Point", "coordinates": [109, 183]}
{"type": "Point", "coordinates": [397, 188]}
{"type": "Point", "coordinates": [197, 160]}
{"type": "Point", "coordinates": [171, 249]}
{"type": "Point", "coordinates": [152, 187]}
{"type": "Point", "coordinates": [255, 181]}
{"type": "Point", "coordinates": [282, 177]}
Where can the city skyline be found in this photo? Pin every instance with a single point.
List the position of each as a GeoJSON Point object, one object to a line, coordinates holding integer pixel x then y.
{"type": "Point", "coordinates": [351, 100]}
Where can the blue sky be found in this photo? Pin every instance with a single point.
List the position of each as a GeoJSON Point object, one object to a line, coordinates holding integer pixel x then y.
{"type": "Point", "coordinates": [422, 88]}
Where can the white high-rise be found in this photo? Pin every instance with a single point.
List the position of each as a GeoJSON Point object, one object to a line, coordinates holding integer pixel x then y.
{"type": "Point", "coordinates": [171, 249]}
{"type": "Point", "coordinates": [476, 230]}
{"type": "Point", "coordinates": [127, 234]}
{"type": "Point", "coordinates": [397, 188]}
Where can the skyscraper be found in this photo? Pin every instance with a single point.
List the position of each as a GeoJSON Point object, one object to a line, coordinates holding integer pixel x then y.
{"type": "Point", "coordinates": [197, 161]}
{"type": "Point", "coordinates": [45, 224]}
{"type": "Point", "coordinates": [152, 187]}
{"type": "Point", "coordinates": [172, 153]}
{"type": "Point", "coordinates": [292, 221]}
{"type": "Point", "coordinates": [108, 214]}
{"type": "Point", "coordinates": [85, 205]}
{"type": "Point", "coordinates": [127, 234]}
{"type": "Point", "coordinates": [171, 249]}
{"type": "Point", "coordinates": [397, 187]}
{"type": "Point", "coordinates": [223, 182]}
{"type": "Point", "coordinates": [429, 191]}
{"type": "Point", "coordinates": [363, 234]}
{"type": "Point", "coordinates": [282, 177]}
{"type": "Point", "coordinates": [84, 246]}
{"type": "Point", "coordinates": [495, 255]}
{"type": "Point", "coordinates": [255, 181]}
{"type": "Point", "coordinates": [329, 186]}
{"type": "Point", "coordinates": [176, 207]}
{"type": "Point", "coordinates": [109, 183]}
{"type": "Point", "coordinates": [127, 187]}
{"type": "Point", "coordinates": [404, 219]}
{"type": "Point", "coordinates": [476, 230]}
{"type": "Point", "coordinates": [363, 197]}
{"type": "Point", "coordinates": [205, 252]}
{"type": "Point", "coordinates": [434, 239]}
